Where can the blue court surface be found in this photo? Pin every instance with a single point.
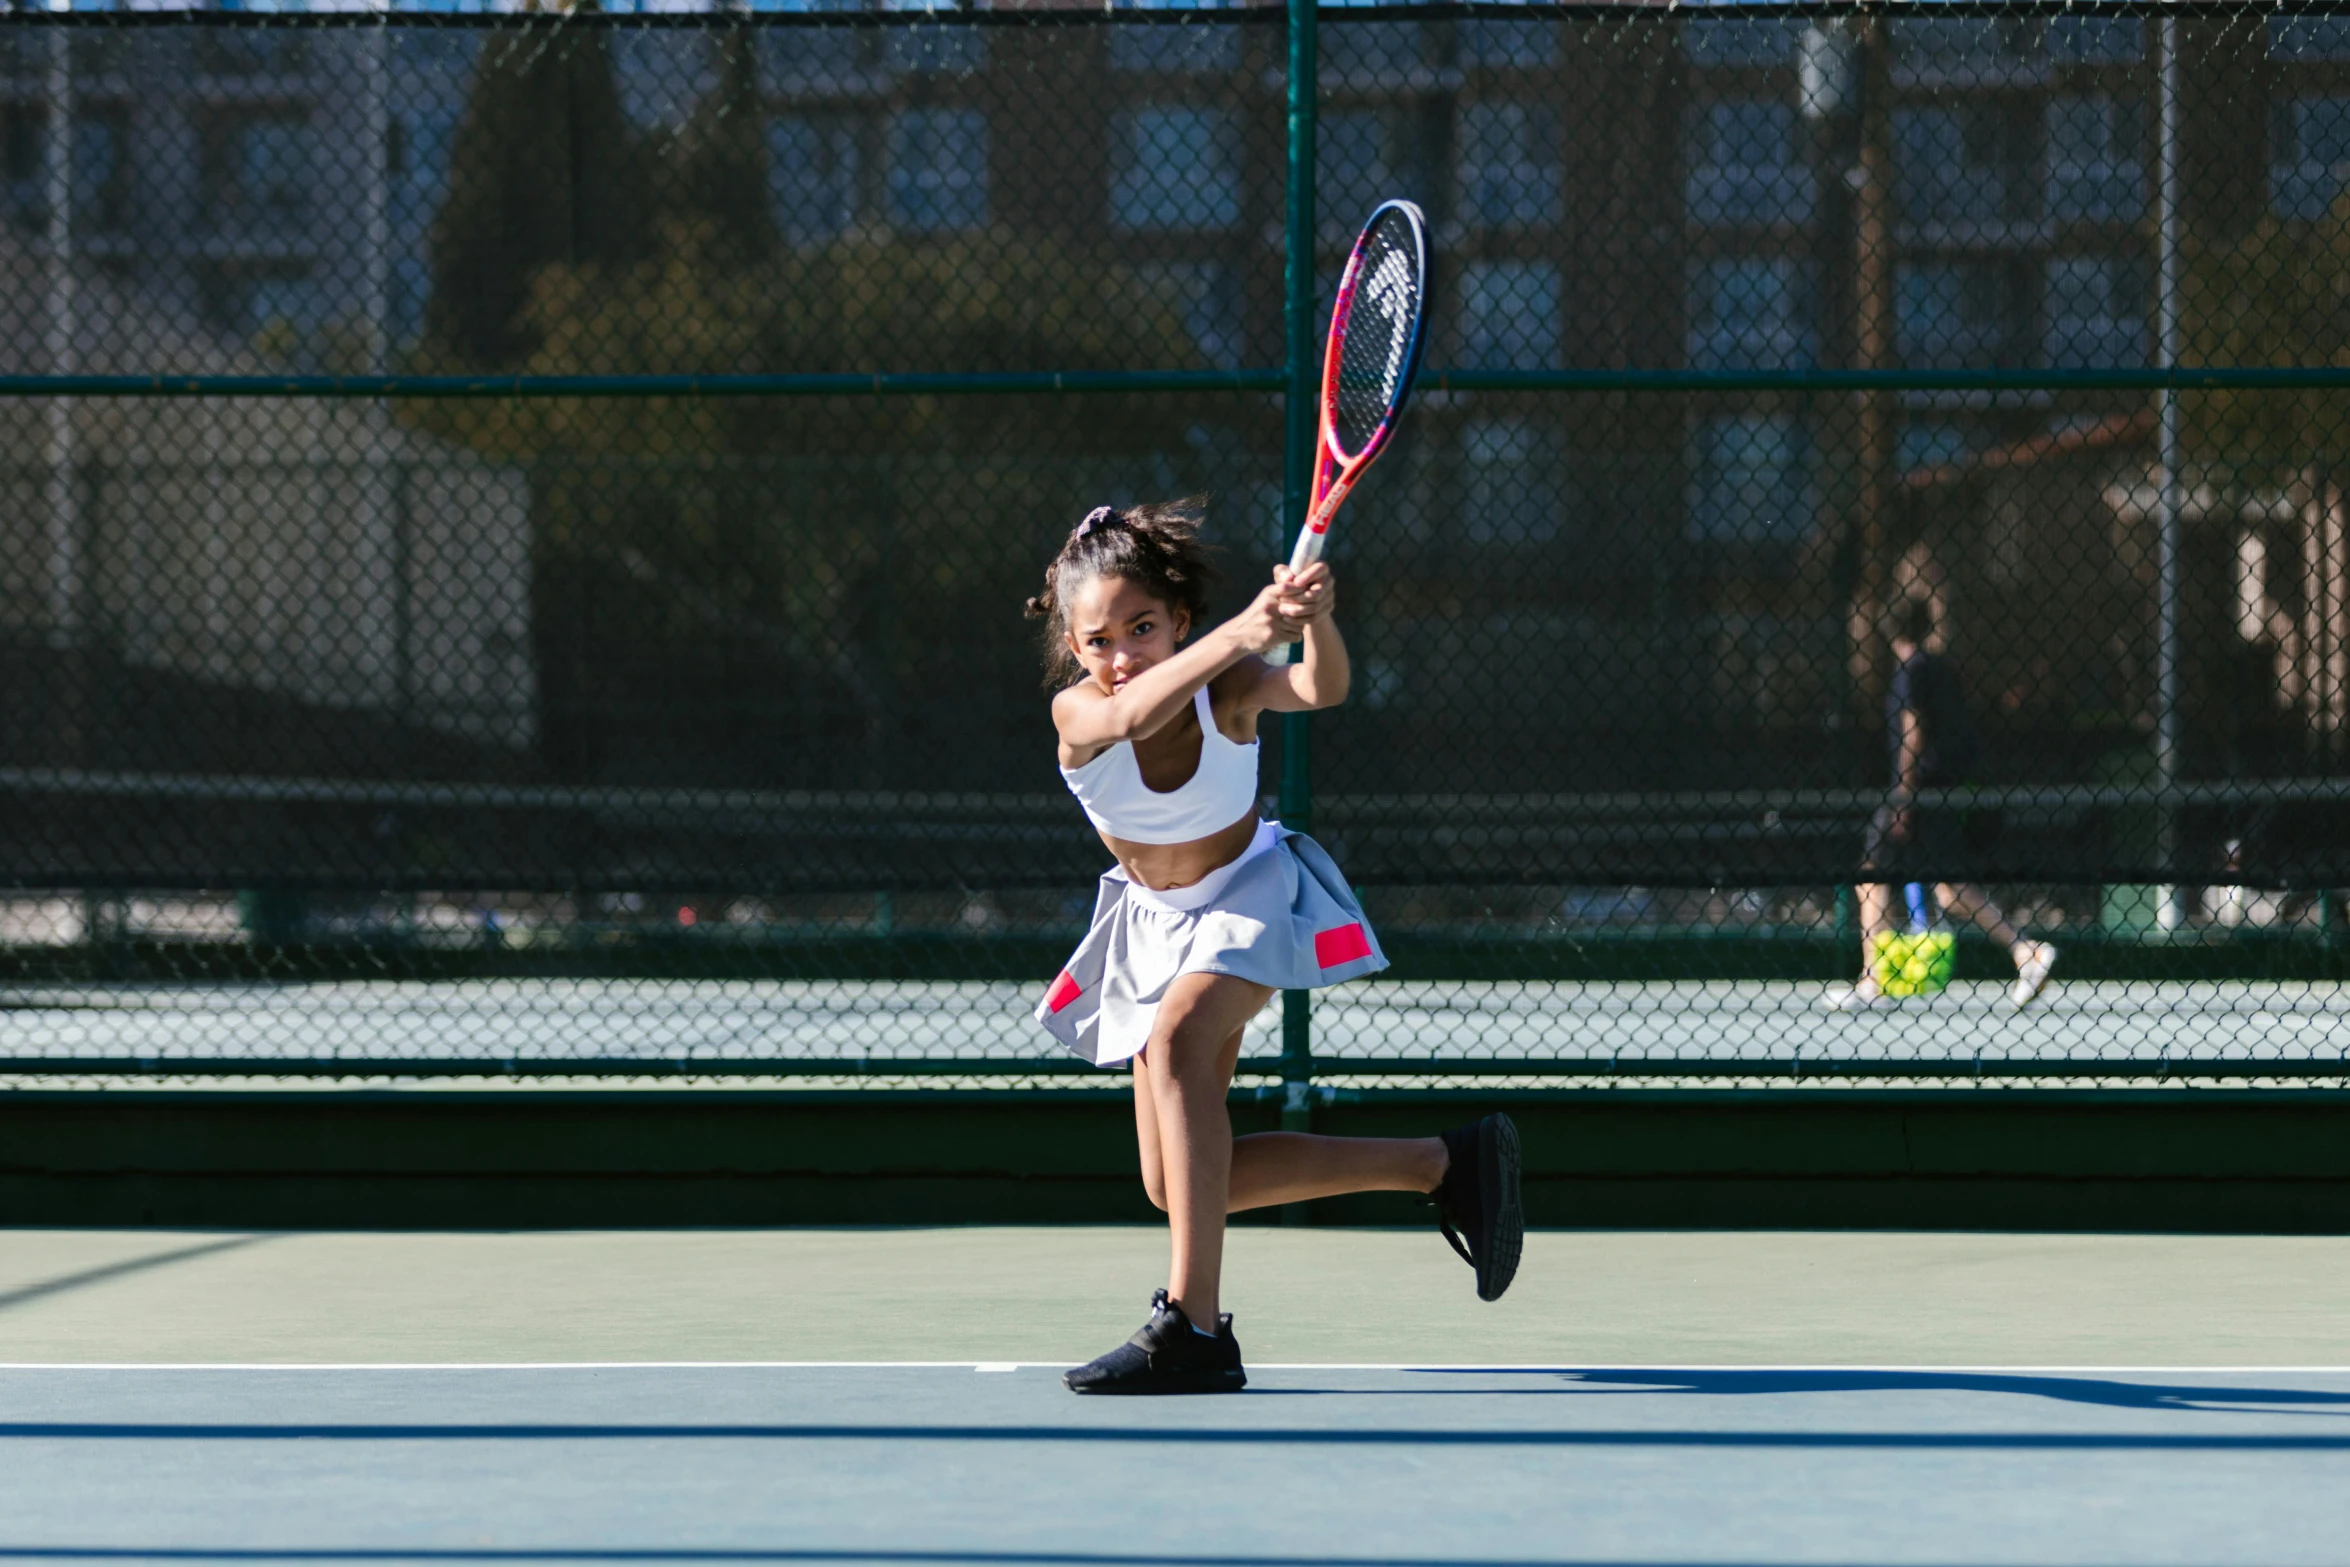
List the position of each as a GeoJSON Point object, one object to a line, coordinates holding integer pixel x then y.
{"type": "Point", "coordinates": [1314, 1466]}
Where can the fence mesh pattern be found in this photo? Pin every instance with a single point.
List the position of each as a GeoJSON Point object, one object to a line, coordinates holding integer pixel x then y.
{"type": "Point", "coordinates": [1799, 552]}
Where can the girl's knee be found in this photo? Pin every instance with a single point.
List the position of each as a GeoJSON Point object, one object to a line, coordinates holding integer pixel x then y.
{"type": "Point", "coordinates": [1185, 1045]}
{"type": "Point", "coordinates": [1158, 1057]}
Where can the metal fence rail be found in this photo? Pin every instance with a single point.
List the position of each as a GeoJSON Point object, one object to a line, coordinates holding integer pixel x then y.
{"type": "Point", "coordinates": [516, 521]}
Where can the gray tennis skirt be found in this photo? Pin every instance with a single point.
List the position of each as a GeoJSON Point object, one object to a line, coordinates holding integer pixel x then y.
{"type": "Point", "coordinates": [1280, 915]}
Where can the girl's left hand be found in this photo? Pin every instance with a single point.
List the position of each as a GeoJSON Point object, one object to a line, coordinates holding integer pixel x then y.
{"type": "Point", "coordinates": [1306, 595]}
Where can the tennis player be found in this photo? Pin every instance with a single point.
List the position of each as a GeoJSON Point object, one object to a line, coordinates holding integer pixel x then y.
{"type": "Point", "coordinates": [1208, 912]}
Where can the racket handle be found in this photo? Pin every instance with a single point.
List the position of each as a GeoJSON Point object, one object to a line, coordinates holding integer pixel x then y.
{"type": "Point", "coordinates": [1309, 547]}
{"type": "Point", "coordinates": [1316, 532]}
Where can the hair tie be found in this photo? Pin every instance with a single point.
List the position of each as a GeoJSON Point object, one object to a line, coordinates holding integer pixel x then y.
{"type": "Point", "coordinates": [1094, 519]}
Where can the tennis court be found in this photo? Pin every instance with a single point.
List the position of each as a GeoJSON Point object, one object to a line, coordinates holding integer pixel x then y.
{"type": "Point", "coordinates": [1315, 1465]}
{"type": "Point", "coordinates": [513, 528]}
{"type": "Point", "coordinates": [361, 1401]}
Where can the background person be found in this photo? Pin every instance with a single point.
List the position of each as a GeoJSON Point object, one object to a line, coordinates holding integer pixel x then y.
{"type": "Point", "coordinates": [1934, 745]}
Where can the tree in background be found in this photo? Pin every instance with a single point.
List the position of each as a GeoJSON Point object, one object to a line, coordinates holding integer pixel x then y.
{"type": "Point", "coordinates": [740, 588]}
{"type": "Point", "coordinates": [544, 170]}
{"type": "Point", "coordinates": [721, 158]}
{"type": "Point", "coordinates": [2277, 295]}
{"type": "Point", "coordinates": [803, 555]}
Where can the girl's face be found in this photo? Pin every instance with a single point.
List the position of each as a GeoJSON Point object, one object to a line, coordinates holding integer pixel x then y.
{"type": "Point", "coordinates": [1116, 630]}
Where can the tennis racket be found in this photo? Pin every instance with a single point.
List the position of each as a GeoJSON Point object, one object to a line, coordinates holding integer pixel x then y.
{"type": "Point", "coordinates": [1376, 329]}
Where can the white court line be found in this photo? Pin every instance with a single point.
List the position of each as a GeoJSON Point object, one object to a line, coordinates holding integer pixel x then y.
{"type": "Point", "coordinates": [1015, 1365]}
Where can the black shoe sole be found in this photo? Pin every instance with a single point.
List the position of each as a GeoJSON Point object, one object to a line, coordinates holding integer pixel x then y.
{"type": "Point", "coordinates": [1164, 1384]}
{"type": "Point", "coordinates": [1505, 1219]}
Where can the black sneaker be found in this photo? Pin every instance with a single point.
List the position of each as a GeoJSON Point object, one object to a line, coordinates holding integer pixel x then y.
{"type": "Point", "coordinates": [1165, 1356]}
{"type": "Point", "coordinates": [1478, 1199]}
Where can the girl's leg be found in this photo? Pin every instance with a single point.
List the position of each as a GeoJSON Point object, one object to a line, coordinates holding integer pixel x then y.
{"type": "Point", "coordinates": [1182, 1078]}
{"type": "Point", "coordinates": [1278, 1167]}
{"type": "Point", "coordinates": [1270, 1168]}
{"type": "Point", "coordinates": [1146, 1138]}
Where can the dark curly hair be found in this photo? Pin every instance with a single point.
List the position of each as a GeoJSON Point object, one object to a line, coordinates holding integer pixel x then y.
{"type": "Point", "coordinates": [1157, 548]}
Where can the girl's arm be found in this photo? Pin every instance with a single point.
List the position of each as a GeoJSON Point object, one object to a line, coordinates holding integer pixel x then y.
{"type": "Point", "coordinates": [1090, 719]}
{"type": "Point", "coordinates": [1321, 678]}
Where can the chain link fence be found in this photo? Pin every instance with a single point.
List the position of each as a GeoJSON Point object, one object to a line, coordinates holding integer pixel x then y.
{"type": "Point", "coordinates": [513, 529]}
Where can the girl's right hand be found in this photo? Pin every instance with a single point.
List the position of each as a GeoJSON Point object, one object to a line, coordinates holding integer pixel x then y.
{"type": "Point", "coordinates": [1262, 627]}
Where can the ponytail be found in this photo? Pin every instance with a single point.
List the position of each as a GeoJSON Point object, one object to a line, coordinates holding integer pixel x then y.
{"type": "Point", "coordinates": [1157, 548]}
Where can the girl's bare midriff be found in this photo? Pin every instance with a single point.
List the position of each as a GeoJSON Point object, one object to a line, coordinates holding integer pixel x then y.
{"type": "Point", "coordinates": [1167, 761]}
{"type": "Point", "coordinates": [1162, 867]}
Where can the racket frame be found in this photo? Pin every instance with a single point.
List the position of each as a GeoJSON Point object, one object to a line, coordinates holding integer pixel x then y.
{"type": "Point", "coordinates": [1335, 472]}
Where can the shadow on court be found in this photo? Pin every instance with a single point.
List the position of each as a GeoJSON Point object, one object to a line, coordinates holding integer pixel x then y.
{"type": "Point", "coordinates": [939, 1465]}
{"type": "Point", "coordinates": [2113, 1393]}
{"type": "Point", "coordinates": [111, 1271]}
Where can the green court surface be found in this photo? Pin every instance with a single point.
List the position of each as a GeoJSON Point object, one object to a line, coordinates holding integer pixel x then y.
{"type": "Point", "coordinates": [1056, 1295]}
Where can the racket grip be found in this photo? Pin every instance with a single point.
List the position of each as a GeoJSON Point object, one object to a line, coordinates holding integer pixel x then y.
{"type": "Point", "coordinates": [1316, 532]}
{"type": "Point", "coordinates": [1309, 546]}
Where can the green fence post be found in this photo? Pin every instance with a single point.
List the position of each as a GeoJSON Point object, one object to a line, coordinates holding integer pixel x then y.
{"type": "Point", "coordinates": [1297, 478]}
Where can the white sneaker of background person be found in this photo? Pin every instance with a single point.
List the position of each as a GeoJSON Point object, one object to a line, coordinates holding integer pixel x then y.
{"type": "Point", "coordinates": [1859, 996]}
{"type": "Point", "coordinates": [2034, 961]}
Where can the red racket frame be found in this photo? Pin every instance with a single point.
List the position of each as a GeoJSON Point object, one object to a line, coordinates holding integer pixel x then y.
{"type": "Point", "coordinates": [1335, 473]}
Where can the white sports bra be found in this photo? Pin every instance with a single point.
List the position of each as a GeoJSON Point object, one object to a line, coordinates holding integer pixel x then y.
{"type": "Point", "coordinates": [1220, 792]}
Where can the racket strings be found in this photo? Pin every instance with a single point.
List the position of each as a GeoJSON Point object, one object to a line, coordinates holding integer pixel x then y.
{"type": "Point", "coordinates": [1374, 349]}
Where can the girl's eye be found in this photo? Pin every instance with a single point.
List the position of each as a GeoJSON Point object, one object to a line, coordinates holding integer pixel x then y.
{"type": "Point", "coordinates": [1143, 628]}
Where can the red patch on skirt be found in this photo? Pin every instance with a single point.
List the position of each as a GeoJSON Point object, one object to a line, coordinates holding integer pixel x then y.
{"type": "Point", "coordinates": [1064, 991]}
{"type": "Point", "coordinates": [1343, 945]}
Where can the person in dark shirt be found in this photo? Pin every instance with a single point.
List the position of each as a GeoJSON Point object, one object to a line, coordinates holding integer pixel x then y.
{"type": "Point", "coordinates": [1932, 744]}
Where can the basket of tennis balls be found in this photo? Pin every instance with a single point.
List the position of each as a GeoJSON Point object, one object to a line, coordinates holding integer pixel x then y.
{"type": "Point", "coordinates": [1912, 962]}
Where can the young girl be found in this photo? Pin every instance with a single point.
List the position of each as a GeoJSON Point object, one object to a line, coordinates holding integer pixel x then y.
{"type": "Point", "coordinates": [1208, 912]}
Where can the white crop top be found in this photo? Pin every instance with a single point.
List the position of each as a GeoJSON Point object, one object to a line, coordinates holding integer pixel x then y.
{"type": "Point", "coordinates": [1219, 793]}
